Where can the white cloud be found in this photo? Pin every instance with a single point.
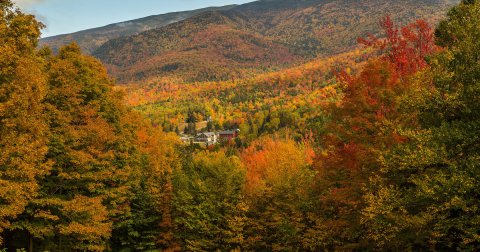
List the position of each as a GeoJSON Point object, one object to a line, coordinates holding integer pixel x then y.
{"type": "Point", "coordinates": [26, 3]}
{"type": "Point", "coordinates": [27, 6]}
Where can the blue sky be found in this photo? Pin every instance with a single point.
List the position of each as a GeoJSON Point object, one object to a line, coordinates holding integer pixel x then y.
{"type": "Point", "coordinates": [67, 16]}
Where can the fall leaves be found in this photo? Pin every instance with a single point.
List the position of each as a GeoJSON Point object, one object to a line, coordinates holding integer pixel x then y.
{"type": "Point", "coordinates": [70, 150]}
{"type": "Point", "coordinates": [396, 167]}
{"type": "Point", "coordinates": [22, 129]}
{"type": "Point", "coordinates": [396, 170]}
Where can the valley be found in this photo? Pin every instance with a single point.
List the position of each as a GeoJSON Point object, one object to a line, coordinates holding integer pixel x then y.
{"type": "Point", "coordinates": [252, 61]}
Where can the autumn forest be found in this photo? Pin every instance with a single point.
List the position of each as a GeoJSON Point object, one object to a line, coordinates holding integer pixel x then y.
{"type": "Point", "coordinates": [355, 129]}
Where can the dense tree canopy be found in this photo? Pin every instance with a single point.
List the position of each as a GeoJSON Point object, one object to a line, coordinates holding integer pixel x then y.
{"type": "Point", "coordinates": [72, 155]}
{"type": "Point", "coordinates": [431, 199]}
{"type": "Point", "coordinates": [382, 155]}
{"type": "Point", "coordinates": [23, 130]}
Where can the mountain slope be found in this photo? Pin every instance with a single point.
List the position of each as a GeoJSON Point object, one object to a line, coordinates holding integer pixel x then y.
{"type": "Point", "coordinates": [209, 46]}
{"type": "Point", "coordinates": [89, 40]}
{"type": "Point", "coordinates": [203, 48]}
{"type": "Point", "coordinates": [329, 26]}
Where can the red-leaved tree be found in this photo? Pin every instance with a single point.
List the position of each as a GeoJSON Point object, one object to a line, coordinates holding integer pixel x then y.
{"type": "Point", "coordinates": [364, 126]}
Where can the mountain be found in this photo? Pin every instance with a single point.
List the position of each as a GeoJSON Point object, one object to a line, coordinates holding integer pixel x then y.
{"type": "Point", "coordinates": [209, 46]}
{"type": "Point", "coordinates": [89, 40]}
{"type": "Point", "coordinates": [253, 38]}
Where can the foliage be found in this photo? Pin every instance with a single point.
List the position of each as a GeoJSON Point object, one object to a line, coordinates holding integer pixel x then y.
{"type": "Point", "coordinates": [364, 126]}
{"type": "Point", "coordinates": [73, 155]}
{"type": "Point", "coordinates": [213, 50]}
{"type": "Point", "coordinates": [251, 39]}
{"type": "Point", "coordinates": [279, 195]}
{"type": "Point", "coordinates": [266, 103]}
{"type": "Point", "coordinates": [430, 201]}
{"type": "Point", "coordinates": [23, 141]}
{"type": "Point", "coordinates": [209, 204]}
{"type": "Point", "coordinates": [86, 181]}
{"type": "Point", "coordinates": [382, 155]}
{"type": "Point", "coordinates": [91, 39]}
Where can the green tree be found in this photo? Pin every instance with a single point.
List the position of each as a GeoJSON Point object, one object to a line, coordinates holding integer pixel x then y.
{"type": "Point", "coordinates": [208, 202]}
{"type": "Point", "coordinates": [210, 126]}
{"type": "Point", "coordinates": [227, 125]}
{"type": "Point", "coordinates": [244, 128]}
{"type": "Point", "coordinates": [167, 127]}
{"type": "Point", "coordinates": [217, 125]}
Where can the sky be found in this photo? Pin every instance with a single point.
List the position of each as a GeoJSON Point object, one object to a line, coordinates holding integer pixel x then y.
{"type": "Point", "coordinates": [68, 16]}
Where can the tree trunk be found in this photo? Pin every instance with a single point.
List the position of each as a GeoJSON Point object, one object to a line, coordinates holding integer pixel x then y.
{"type": "Point", "coordinates": [30, 237]}
{"type": "Point", "coordinates": [4, 233]}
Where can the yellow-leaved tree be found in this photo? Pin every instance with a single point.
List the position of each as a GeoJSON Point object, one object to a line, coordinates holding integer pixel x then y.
{"type": "Point", "coordinates": [278, 192]}
{"type": "Point", "coordinates": [76, 165]}
{"type": "Point", "coordinates": [23, 141]}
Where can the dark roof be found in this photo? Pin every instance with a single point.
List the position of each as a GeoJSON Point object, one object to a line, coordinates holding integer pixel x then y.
{"type": "Point", "coordinates": [227, 132]}
{"type": "Point", "coordinates": [206, 134]}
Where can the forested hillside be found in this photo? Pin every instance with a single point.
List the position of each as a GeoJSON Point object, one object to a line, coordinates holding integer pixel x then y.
{"type": "Point", "coordinates": [202, 48]}
{"type": "Point", "coordinates": [89, 40]}
{"type": "Point", "coordinates": [258, 106]}
{"type": "Point", "coordinates": [72, 155]}
{"type": "Point", "coordinates": [372, 149]}
{"type": "Point", "coordinates": [330, 26]}
{"type": "Point", "coordinates": [300, 29]}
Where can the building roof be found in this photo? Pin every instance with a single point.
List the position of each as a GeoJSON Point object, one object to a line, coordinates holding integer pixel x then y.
{"type": "Point", "coordinates": [208, 134]}
{"type": "Point", "coordinates": [227, 132]}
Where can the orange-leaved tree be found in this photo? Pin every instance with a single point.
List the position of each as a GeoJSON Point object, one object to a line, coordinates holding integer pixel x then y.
{"type": "Point", "coordinates": [92, 154]}
{"type": "Point", "coordinates": [93, 144]}
{"type": "Point", "coordinates": [278, 193]}
{"type": "Point", "coordinates": [23, 141]}
{"type": "Point", "coordinates": [72, 156]}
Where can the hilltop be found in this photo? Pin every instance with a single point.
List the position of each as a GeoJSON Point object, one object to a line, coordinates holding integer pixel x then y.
{"type": "Point", "coordinates": [89, 40]}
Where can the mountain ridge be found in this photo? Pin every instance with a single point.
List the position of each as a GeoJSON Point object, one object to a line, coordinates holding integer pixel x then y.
{"type": "Point", "coordinates": [90, 39]}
